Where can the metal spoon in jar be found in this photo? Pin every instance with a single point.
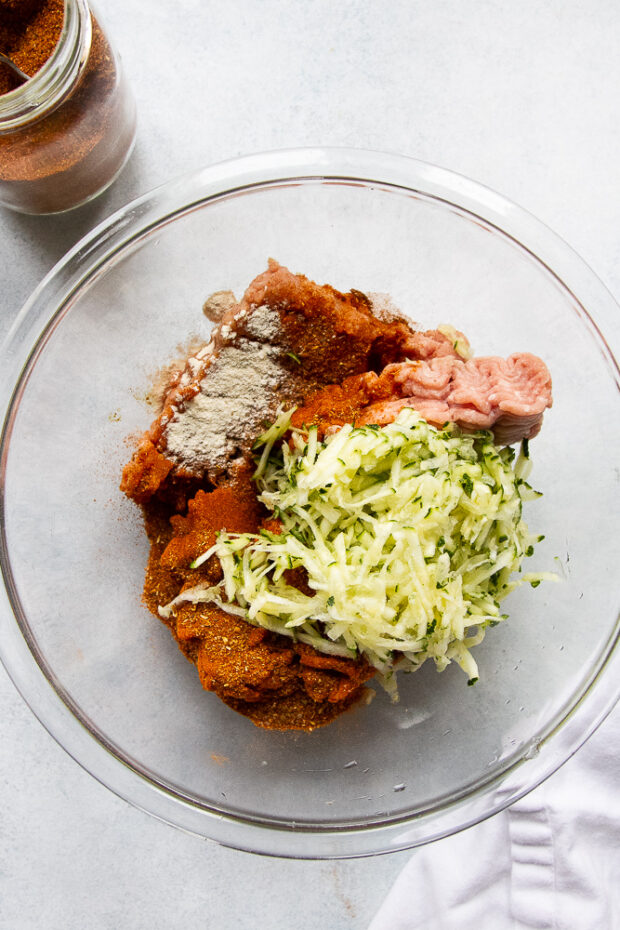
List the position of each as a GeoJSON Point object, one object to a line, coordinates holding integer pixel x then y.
{"type": "Point", "coordinates": [16, 71]}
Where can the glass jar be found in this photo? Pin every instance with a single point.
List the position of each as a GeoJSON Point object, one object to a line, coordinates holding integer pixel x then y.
{"type": "Point", "coordinates": [67, 132]}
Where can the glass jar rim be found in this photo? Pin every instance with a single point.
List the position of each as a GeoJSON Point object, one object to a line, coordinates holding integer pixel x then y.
{"type": "Point", "coordinates": [49, 85]}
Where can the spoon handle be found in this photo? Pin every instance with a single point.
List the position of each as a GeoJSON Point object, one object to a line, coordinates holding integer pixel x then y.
{"type": "Point", "coordinates": [16, 71]}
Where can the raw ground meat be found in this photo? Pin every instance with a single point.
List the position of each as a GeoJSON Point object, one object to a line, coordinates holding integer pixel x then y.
{"type": "Point", "coordinates": [290, 341]}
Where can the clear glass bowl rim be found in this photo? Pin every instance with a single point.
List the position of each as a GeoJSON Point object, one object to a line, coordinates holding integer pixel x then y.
{"type": "Point", "coordinates": [87, 260]}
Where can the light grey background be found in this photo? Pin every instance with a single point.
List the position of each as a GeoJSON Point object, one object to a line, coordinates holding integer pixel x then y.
{"type": "Point", "coordinates": [520, 96]}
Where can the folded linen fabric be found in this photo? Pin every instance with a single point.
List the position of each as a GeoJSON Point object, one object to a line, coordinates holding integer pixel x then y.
{"type": "Point", "coordinates": [549, 862]}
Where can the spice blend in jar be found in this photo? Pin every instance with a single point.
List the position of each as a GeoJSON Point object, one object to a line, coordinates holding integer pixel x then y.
{"type": "Point", "coordinates": [29, 33]}
{"type": "Point", "coordinates": [66, 133]}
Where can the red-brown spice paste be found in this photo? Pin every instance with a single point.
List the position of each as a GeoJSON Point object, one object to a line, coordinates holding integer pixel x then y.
{"type": "Point", "coordinates": [285, 340]}
{"type": "Point", "coordinates": [340, 360]}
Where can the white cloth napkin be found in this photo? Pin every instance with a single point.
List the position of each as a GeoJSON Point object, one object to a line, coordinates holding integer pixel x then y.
{"type": "Point", "coordinates": [550, 862]}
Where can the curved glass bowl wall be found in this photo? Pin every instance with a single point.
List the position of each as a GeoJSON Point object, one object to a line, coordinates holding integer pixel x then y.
{"type": "Point", "coordinates": [106, 679]}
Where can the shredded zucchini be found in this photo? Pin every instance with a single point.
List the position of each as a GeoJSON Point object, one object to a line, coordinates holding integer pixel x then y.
{"type": "Point", "coordinates": [408, 535]}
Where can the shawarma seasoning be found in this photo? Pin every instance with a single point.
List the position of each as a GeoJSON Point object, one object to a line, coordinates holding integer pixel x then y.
{"type": "Point", "coordinates": [67, 131]}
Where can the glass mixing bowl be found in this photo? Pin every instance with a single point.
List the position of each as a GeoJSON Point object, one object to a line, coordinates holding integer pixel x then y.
{"type": "Point", "coordinates": [105, 677]}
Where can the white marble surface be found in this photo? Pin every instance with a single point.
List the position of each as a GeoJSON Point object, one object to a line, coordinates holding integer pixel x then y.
{"type": "Point", "coordinates": [520, 96]}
